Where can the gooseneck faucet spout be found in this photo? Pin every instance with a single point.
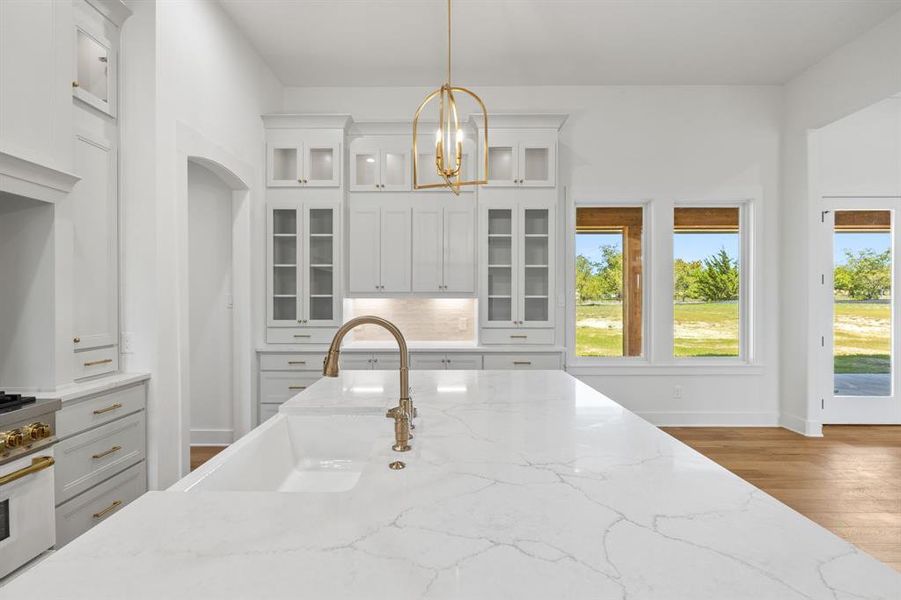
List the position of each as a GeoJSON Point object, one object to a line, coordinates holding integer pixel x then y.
{"type": "Point", "coordinates": [404, 412]}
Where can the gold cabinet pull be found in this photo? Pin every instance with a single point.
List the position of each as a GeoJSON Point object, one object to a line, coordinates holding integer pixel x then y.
{"type": "Point", "coordinates": [100, 514]}
{"type": "Point", "coordinates": [302, 335]}
{"type": "Point", "coordinates": [109, 408]}
{"type": "Point", "coordinates": [522, 362]}
{"type": "Point", "coordinates": [519, 337]}
{"type": "Point", "coordinates": [37, 464]}
{"type": "Point", "coordinates": [297, 387]}
{"type": "Point", "coordinates": [297, 362]}
{"type": "Point", "coordinates": [94, 363]}
{"type": "Point", "coordinates": [75, 84]}
{"type": "Point", "coordinates": [112, 450]}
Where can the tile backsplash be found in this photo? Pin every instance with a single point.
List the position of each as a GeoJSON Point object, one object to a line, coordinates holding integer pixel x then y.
{"type": "Point", "coordinates": [419, 319]}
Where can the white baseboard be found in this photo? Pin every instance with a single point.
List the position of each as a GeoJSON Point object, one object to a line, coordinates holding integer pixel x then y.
{"type": "Point", "coordinates": [802, 426]}
{"type": "Point", "coordinates": [212, 437]}
{"type": "Point", "coordinates": [711, 419]}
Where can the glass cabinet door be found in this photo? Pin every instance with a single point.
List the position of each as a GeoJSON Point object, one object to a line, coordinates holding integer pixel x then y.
{"type": "Point", "coordinates": [364, 171]}
{"type": "Point", "coordinates": [95, 67]}
{"type": "Point", "coordinates": [322, 166]}
{"type": "Point", "coordinates": [284, 257]}
{"type": "Point", "coordinates": [502, 158]}
{"type": "Point", "coordinates": [319, 266]}
{"type": "Point", "coordinates": [537, 161]}
{"type": "Point", "coordinates": [500, 286]}
{"type": "Point", "coordinates": [285, 166]}
{"type": "Point", "coordinates": [536, 266]}
{"type": "Point", "coordinates": [395, 170]}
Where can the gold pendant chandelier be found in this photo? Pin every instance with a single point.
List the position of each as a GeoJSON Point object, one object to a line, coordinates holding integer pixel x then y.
{"type": "Point", "coordinates": [449, 136]}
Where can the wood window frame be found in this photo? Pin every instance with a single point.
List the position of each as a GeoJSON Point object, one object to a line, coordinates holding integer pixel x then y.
{"type": "Point", "coordinates": [629, 222]}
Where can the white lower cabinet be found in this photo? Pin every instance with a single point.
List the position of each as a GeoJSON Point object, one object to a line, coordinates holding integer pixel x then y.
{"type": "Point", "coordinates": [365, 361]}
{"type": "Point", "coordinates": [283, 376]}
{"type": "Point", "coordinates": [551, 361]}
{"type": "Point", "coordinates": [100, 458]}
{"type": "Point", "coordinates": [451, 361]}
{"type": "Point", "coordinates": [83, 512]}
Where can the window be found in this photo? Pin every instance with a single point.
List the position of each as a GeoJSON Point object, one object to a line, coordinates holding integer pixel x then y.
{"type": "Point", "coordinates": [608, 281]}
{"type": "Point", "coordinates": [706, 282]}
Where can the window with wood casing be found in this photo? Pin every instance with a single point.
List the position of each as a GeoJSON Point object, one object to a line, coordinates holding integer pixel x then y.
{"type": "Point", "coordinates": [609, 281]}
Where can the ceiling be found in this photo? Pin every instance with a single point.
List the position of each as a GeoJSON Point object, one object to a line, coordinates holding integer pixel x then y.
{"type": "Point", "coordinates": [550, 42]}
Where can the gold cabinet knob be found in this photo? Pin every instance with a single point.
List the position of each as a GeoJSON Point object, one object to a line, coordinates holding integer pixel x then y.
{"type": "Point", "coordinates": [75, 84]}
{"type": "Point", "coordinates": [76, 339]}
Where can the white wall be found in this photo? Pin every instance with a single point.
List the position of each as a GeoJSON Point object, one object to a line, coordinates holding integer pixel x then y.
{"type": "Point", "coordinates": [663, 143]}
{"type": "Point", "coordinates": [209, 308]}
{"type": "Point", "coordinates": [860, 155]}
{"type": "Point", "coordinates": [188, 68]}
{"type": "Point", "coordinates": [861, 73]}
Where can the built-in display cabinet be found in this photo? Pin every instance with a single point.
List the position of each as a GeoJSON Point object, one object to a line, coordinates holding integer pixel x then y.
{"type": "Point", "coordinates": [522, 158]}
{"type": "Point", "coordinates": [380, 164]}
{"type": "Point", "coordinates": [304, 271]}
{"type": "Point", "coordinates": [305, 164]}
{"type": "Point", "coordinates": [517, 271]}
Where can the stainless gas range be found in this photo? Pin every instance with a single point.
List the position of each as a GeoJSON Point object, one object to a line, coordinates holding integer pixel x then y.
{"type": "Point", "coordinates": [27, 435]}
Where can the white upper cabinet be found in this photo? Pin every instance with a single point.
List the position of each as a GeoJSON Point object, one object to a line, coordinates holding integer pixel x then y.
{"type": "Point", "coordinates": [380, 164]}
{"type": "Point", "coordinates": [379, 248]}
{"type": "Point", "coordinates": [522, 158]}
{"type": "Point", "coordinates": [95, 80]}
{"type": "Point", "coordinates": [444, 246]}
{"type": "Point", "coordinates": [304, 165]}
{"type": "Point", "coordinates": [518, 271]}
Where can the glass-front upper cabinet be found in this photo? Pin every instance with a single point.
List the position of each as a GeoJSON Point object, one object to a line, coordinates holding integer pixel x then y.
{"type": "Point", "coordinates": [519, 271]}
{"type": "Point", "coordinates": [522, 158]}
{"type": "Point", "coordinates": [304, 165]}
{"type": "Point", "coordinates": [95, 69]}
{"type": "Point", "coordinates": [428, 174]}
{"type": "Point", "coordinates": [303, 259]}
{"type": "Point", "coordinates": [380, 165]}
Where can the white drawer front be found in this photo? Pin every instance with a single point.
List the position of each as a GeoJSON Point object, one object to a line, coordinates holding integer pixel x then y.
{"type": "Point", "coordinates": [386, 361]}
{"type": "Point", "coordinates": [267, 411]}
{"type": "Point", "coordinates": [80, 514]}
{"type": "Point", "coordinates": [88, 458]}
{"type": "Point", "coordinates": [79, 415]}
{"type": "Point", "coordinates": [523, 361]}
{"type": "Point", "coordinates": [428, 361]}
{"type": "Point", "coordinates": [277, 387]}
{"type": "Point", "coordinates": [515, 337]}
{"type": "Point", "coordinates": [463, 362]}
{"type": "Point", "coordinates": [291, 362]}
{"type": "Point", "coordinates": [355, 362]}
{"type": "Point", "coordinates": [297, 335]}
{"type": "Point", "coordinates": [97, 361]}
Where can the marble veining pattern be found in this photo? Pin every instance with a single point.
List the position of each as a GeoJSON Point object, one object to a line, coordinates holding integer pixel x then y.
{"type": "Point", "coordinates": [520, 485]}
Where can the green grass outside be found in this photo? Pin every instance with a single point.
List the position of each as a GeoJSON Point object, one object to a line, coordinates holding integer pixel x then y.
{"type": "Point", "coordinates": [862, 333]}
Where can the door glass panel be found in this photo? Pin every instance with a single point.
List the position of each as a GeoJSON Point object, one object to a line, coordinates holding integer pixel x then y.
{"type": "Point", "coordinates": [535, 265]}
{"type": "Point", "coordinates": [394, 168]}
{"type": "Point", "coordinates": [366, 169]}
{"type": "Point", "coordinates": [500, 163]}
{"type": "Point", "coordinates": [322, 258]}
{"type": "Point", "coordinates": [862, 309]}
{"type": "Point", "coordinates": [536, 164]}
{"type": "Point", "coordinates": [92, 65]}
{"type": "Point", "coordinates": [284, 164]}
{"type": "Point", "coordinates": [500, 265]}
{"type": "Point", "coordinates": [321, 164]}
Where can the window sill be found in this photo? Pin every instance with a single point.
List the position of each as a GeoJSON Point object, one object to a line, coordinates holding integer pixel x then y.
{"type": "Point", "coordinates": [645, 369]}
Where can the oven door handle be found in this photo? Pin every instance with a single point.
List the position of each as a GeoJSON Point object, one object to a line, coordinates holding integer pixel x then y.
{"type": "Point", "coordinates": [37, 464]}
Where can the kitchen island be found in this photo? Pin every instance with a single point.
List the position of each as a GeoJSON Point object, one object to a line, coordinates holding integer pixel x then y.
{"type": "Point", "coordinates": [518, 485]}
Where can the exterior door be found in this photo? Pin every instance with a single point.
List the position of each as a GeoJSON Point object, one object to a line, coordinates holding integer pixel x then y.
{"type": "Point", "coordinates": [859, 378]}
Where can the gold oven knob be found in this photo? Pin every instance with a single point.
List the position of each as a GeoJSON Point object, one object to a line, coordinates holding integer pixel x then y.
{"type": "Point", "coordinates": [11, 439]}
{"type": "Point", "coordinates": [36, 431]}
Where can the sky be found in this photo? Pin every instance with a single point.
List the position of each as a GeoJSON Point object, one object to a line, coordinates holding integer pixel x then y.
{"type": "Point", "coordinates": [879, 242]}
{"type": "Point", "coordinates": [687, 246]}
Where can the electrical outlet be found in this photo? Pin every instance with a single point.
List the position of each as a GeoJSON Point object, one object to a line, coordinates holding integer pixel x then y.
{"type": "Point", "coordinates": [677, 392]}
{"type": "Point", "coordinates": [127, 342]}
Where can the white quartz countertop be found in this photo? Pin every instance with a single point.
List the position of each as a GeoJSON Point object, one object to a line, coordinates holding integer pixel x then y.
{"type": "Point", "coordinates": [391, 347]}
{"type": "Point", "coordinates": [520, 485]}
{"type": "Point", "coordinates": [75, 391]}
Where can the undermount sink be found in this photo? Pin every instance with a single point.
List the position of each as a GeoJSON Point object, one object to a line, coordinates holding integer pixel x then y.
{"type": "Point", "coordinates": [295, 453]}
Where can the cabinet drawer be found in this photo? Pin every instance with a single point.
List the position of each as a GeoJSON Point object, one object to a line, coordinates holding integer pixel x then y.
{"type": "Point", "coordinates": [463, 362]}
{"type": "Point", "coordinates": [386, 361]}
{"type": "Point", "coordinates": [96, 361]}
{"type": "Point", "coordinates": [85, 414]}
{"type": "Point", "coordinates": [427, 361]}
{"type": "Point", "coordinates": [300, 335]}
{"type": "Point", "coordinates": [518, 336]}
{"type": "Point", "coordinates": [88, 458]}
{"type": "Point", "coordinates": [80, 514]}
{"type": "Point", "coordinates": [277, 387]}
{"type": "Point", "coordinates": [523, 361]}
{"type": "Point", "coordinates": [355, 362]}
{"type": "Point", "coordinates": [267, 411]}
{"type": "Point", "coordinates": [291, 362]}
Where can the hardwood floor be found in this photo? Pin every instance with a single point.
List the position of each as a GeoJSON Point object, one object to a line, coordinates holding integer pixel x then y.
{"type": "Point", "coordinates": [201, 454]}
{"type": "Point", "coordinates": [848, 481]}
